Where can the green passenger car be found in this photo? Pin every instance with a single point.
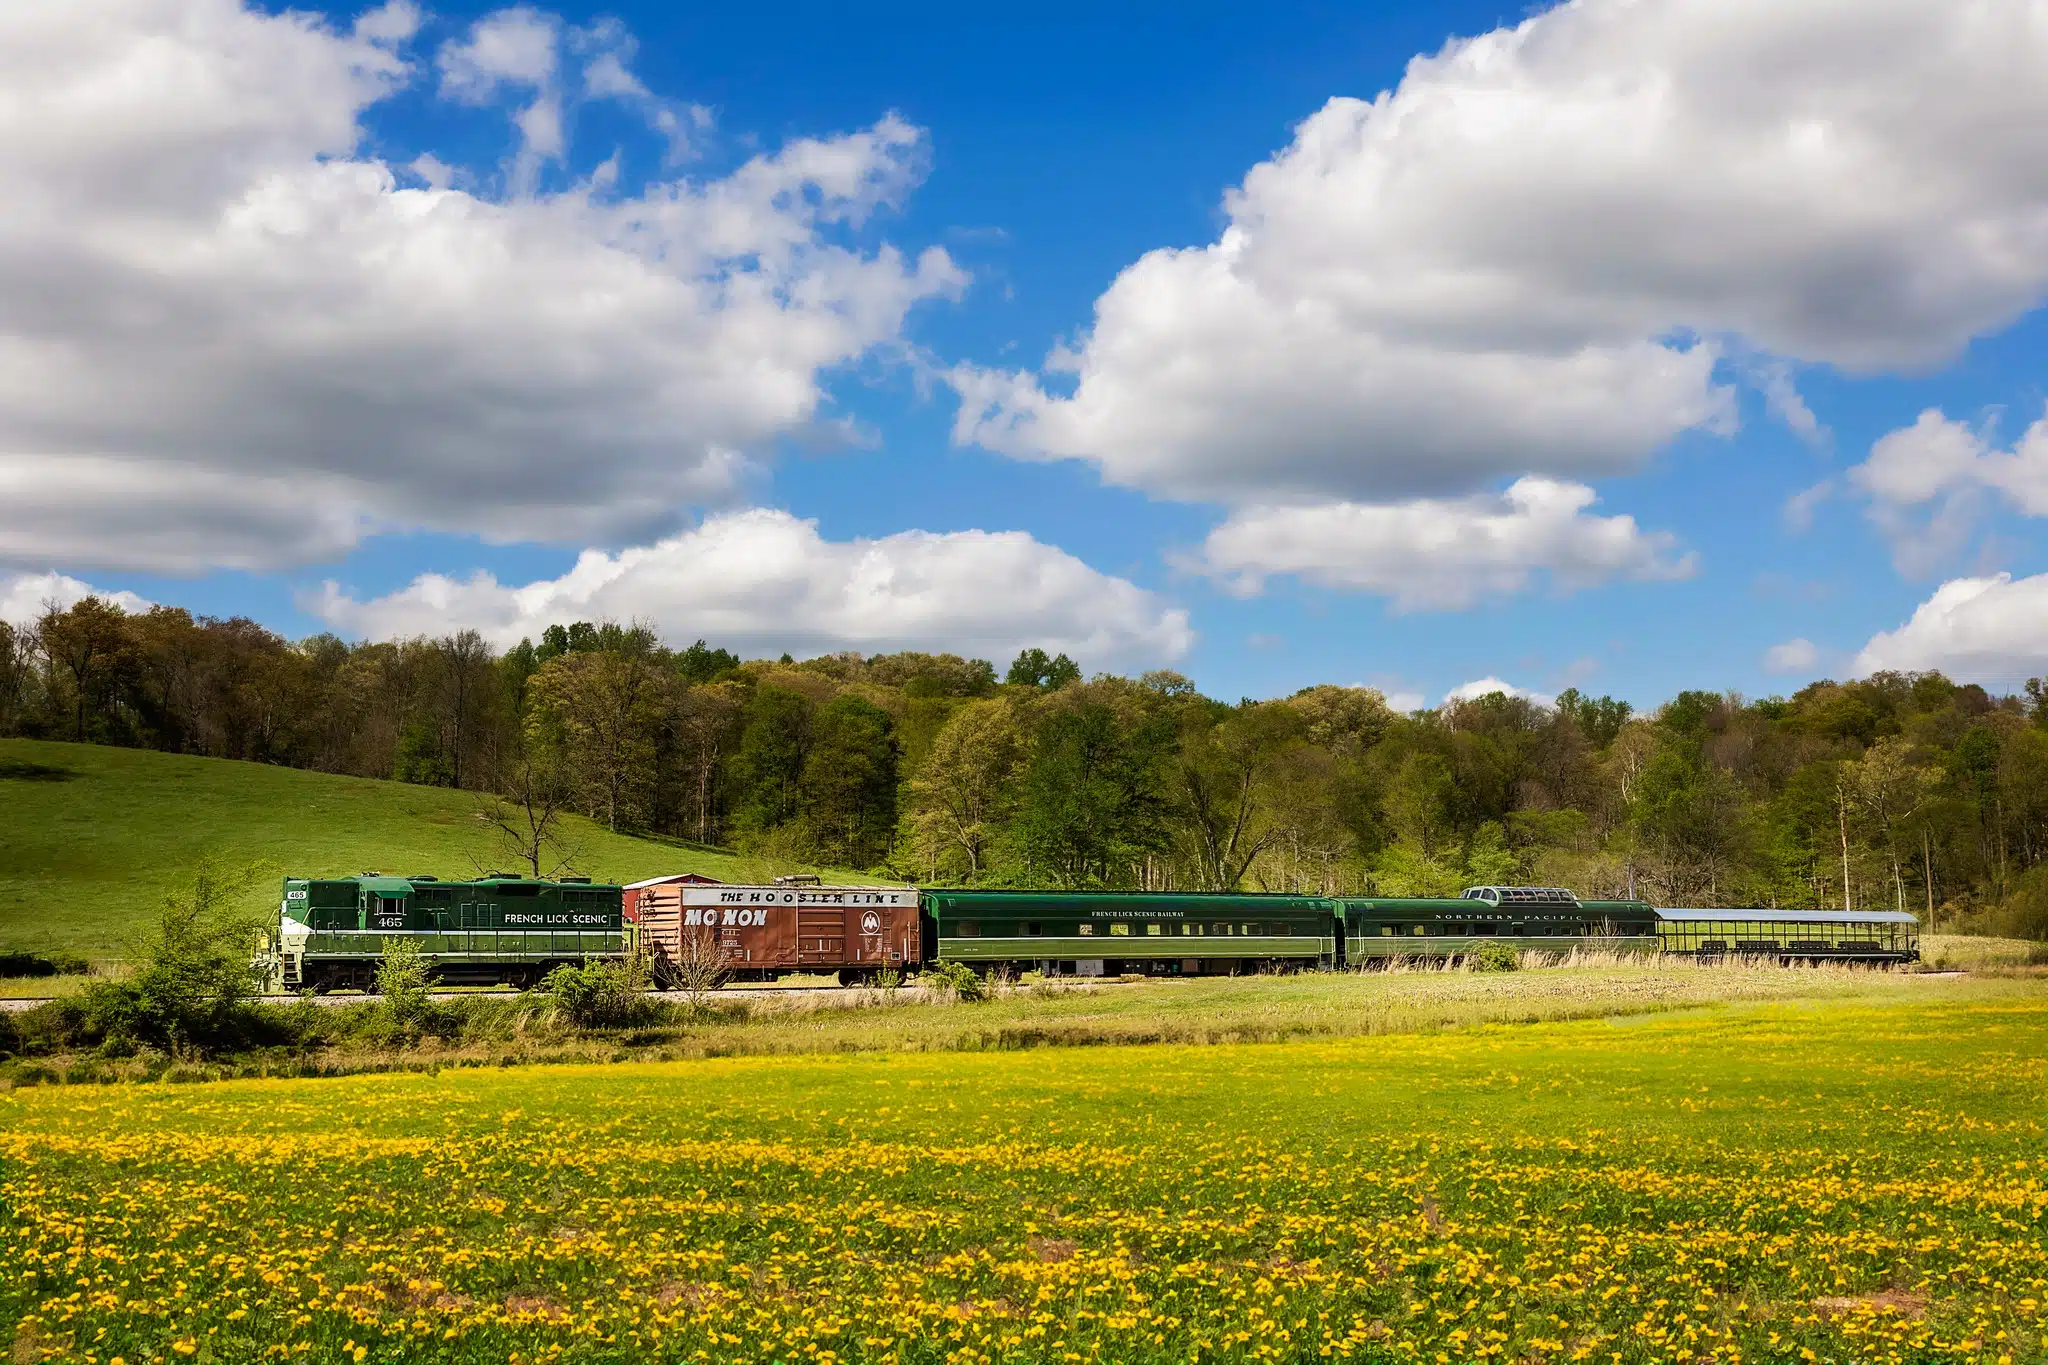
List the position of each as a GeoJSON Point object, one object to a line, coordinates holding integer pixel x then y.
{"type": "Point", "coordinates": [1156, 933]}
{"type": "Point", "coordinates": [331, 932]}
{"type": "Point", "coordinates": [1524, 917]}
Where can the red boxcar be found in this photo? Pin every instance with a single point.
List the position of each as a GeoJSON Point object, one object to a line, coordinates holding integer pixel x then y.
{"type": "Point", "coordinates": [762, 932]}
{"type": "Point", "coordinates": [634, 890]}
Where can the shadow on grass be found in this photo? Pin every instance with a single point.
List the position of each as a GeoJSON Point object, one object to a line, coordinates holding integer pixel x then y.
{"type": "Point", "coordinates": [34, 772]}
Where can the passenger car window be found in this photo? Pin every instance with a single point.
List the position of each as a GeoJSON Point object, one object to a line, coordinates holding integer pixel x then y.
{"type": "Point", "coordinates": [1120, 930]}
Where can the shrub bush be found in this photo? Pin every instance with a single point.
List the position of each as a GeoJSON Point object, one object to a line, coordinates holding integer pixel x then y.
{"type": "Point", "coordinates": [403, 983]}
{"type": "Point", "coordinates": [602, 994]}
{"type": "Point", "coordinates": [955, 979]}
{"type": "Point", "coordinates": [191, 994]}
{"type": "Point", "coordinates": [1496, 957]}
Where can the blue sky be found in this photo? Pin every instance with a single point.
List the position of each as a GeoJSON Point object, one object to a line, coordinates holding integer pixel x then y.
{"type": "Point", "coordinates": [1520, 266]}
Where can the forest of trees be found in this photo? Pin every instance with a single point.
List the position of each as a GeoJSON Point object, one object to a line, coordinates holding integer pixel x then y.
{"type": "Point", "coordinates": [1898, 790]}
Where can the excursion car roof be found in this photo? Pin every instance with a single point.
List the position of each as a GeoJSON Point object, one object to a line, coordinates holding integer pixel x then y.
{"type": "Point", "coordinates": [1691, 916]}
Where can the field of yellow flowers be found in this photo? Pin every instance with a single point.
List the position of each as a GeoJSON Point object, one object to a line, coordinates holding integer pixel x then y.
{"type": "Point", "coordinates": [1841, 1181]}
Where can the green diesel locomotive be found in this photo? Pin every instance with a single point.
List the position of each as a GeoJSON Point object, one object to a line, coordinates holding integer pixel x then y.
{"type": "Point", "coordinates": [499, 929]}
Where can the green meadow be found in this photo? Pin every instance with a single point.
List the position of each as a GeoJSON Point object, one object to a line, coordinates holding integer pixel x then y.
{"type": "Point", "coordinates": [91, 837]}
{"type": "Point", "coordinates": [1855, 1178]}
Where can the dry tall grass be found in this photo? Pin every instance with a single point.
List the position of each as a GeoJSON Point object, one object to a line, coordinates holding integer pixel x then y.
{"type": "Point", "coordinates": [1405, 998]}
{"type": "Point", "coordinates": [1967, 952]}
{"type": "Point", "coordinates": [1410, 998]}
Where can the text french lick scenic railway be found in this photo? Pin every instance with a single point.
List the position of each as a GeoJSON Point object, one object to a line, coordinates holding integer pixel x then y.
{"type": "Point", "coordinates": [331, 932]}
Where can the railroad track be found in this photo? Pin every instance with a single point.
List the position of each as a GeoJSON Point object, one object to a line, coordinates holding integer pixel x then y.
{"type": "Point", "coordinates": [28, 1002]}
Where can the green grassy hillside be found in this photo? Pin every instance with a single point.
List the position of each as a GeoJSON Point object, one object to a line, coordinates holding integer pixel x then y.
{"type": "Point", "coordinates": [91, 837]}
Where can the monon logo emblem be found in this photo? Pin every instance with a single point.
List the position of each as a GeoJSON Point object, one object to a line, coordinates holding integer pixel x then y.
{"type": "Point", "coordinates": [871, 923]}
{"type": "Point", "coordinates": [709, 916]}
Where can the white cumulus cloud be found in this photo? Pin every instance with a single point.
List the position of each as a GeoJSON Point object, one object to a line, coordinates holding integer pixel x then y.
{"type": "Point", "coordinates": [521, 50]}
{"type": "Point", "coordinates": [1483, 687]}
{"type": "Point", "coordinates": [1928, 484]}
{"type": "Point", "coordinates": [1992, 630]}
{"type": "Point", "coordinates": [25, 597]}
{"type": "Point", "coordinates": [1793, 656]}
{"type": "Point", "coordinates": [1441, 553]}
{"type": "Point", "coordinates": [514, 47]}
{"type": "Point", "coordinates": [1529, 256]}
{"type": "Point", "coordinates": [762, 581]}
{"type": "Point", "coordinates": [211, 294]}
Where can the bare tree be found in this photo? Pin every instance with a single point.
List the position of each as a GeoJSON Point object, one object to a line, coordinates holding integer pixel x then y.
{"type": "Point", "coordinates": [698, 966]}
{"type": "Point", "coordinates": [528, 815]}
{"type": "Point", "coordinates": [1845, 797]}
{"type": "Point", "coordinates": [1890, 788]}
{"type": "Point", "coordinates": [1630, 755]}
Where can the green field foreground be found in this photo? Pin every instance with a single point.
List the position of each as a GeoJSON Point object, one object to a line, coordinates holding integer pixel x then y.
{"type": "Point", "coordinates": [1829, 1180]}
{"type": "Point", "coordinates": [91, 837]}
